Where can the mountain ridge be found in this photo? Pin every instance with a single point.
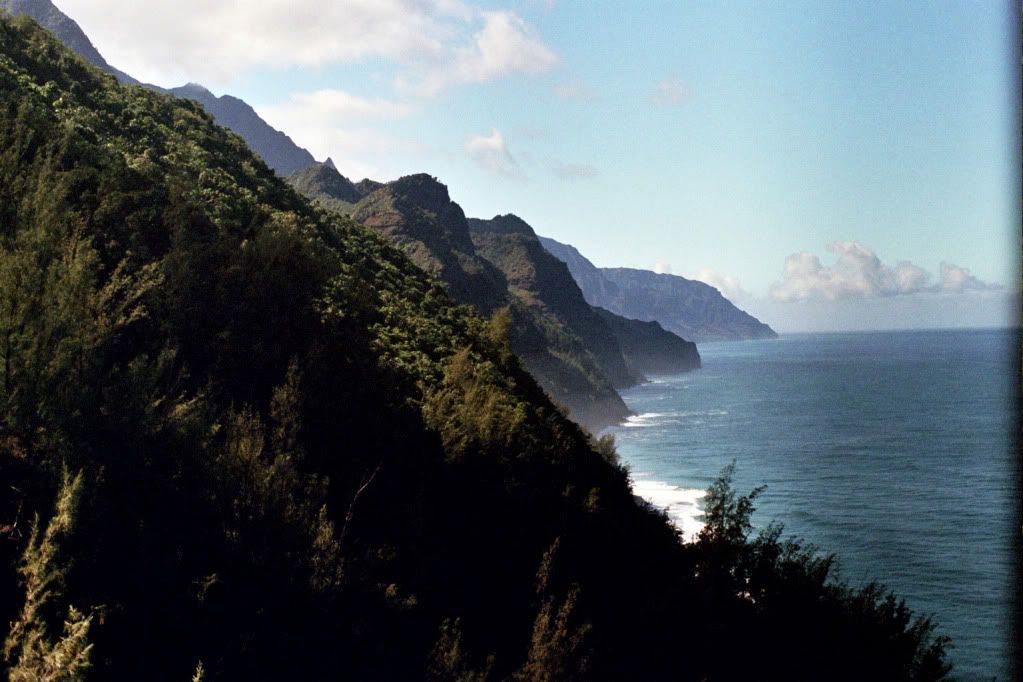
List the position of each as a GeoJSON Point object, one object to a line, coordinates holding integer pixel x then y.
{"type": "Point", "coordinates": [575, 351]}
{"type": "Point", "coordinates": [694, 310]}
{"type": "Point", "coordinates": [539, 278]}
{"type": "Point", "coordinates": [67, 31]}
{"type": "Point", "coordinates": [417, 213]}
{"type": "Point", "coordinates": [275, 147]}
{"type": "Point", "coordinates": [259, 443]}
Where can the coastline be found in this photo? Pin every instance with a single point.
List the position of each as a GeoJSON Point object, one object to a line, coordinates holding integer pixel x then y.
{"type": "Point", "coordinates": [682, 505]}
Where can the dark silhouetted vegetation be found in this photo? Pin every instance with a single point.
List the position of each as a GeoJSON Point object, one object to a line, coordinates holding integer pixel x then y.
{"type": "Point", "coordinates": [243, 438]}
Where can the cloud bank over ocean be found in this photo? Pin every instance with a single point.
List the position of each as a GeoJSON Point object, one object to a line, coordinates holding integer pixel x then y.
{"type": "Point", "coordinates": [860, 273]}
{"type": "Point", "coordinates": [860, 291]}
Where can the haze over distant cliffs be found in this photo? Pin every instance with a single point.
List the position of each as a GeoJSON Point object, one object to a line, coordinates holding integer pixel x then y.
{"type": "Point", "coordinates": [273, 146]}
{"type": "Point", "coordinates": [578, 353]}
{"type": "Point", "coordinates": [693, 310]}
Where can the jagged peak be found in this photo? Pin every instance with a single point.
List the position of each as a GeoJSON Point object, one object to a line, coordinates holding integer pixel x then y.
{"type": "Point", "coordinates": [504, 224]}
{"type": "Point", "coordinates": [329, 163]}
{"type": "Point", "coordinates": [196, 88]}
{"type": "Point", "coordinates": [423, 190]}
{"type": "Point", "coordinates": [368, 186]}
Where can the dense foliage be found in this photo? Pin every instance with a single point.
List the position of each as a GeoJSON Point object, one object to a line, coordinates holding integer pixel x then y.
{"type": "Point", "coordinates": [624, 349]}
{"type": "Point", "coordinates": [322, 183]}
{"type": "Point", "coordinates": [244, 439]}
{"type": "Point", "coordinates": [577, 367]}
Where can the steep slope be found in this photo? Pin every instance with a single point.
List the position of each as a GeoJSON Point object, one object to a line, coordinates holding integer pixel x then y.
{"type": "Point", "coordinates": [322, 183]}
{"type": "Point", "coordinates": [66, 29]}
{"type": "Point", "coordinates": [691, 309]}
{"type": "Point", "coordinates": [544, 284]}
{"type": "Point", "coordinates": [649, 348]}
{"type": "Point", "coordinates": [287, 433]}
{"type": "Point", "coordinates": [276, 149]}
{"type": "Point", "coordinates": [245, 439]}
{"type": "Point", "coordinates": [418, 215]}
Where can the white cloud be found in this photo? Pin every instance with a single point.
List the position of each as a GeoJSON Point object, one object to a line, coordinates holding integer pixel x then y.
{"type": "Point", "coordinates": [729, 286]}
{"type": "Point", "coordinates": [337, 105]}
{"type": "Point", "coordinates": [669, 92]}
{"type": "Point", "coordinates": [339, 125]}
{"type": "Point", "coordinates": [662, 267]}
{"type": "Point", "coordinates": [859, 273]}
{"type": "Point", "coordinates": [957, 279]}
{"type": "Point", "coordinates": [446, 41]}
{"type": "Point", "coordinates": [491, 153]}
{"type": "Point", "coordinates": [505, 45]}
{"type": "Point", "coordinates": [576, 171]}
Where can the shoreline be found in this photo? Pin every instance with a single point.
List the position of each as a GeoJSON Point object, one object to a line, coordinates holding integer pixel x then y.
{"type": "Point", "coordinates": [681, 505]}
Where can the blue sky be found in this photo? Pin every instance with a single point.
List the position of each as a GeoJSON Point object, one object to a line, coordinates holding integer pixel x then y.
{"type": "Point", "coordinates": [748, 143]}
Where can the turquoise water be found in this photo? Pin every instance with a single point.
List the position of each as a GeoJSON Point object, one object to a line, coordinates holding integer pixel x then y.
{"type": "Point", "coordinates": [892, 449]}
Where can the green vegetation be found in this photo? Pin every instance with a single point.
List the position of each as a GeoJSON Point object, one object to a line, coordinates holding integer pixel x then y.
{"type": "Point", "coordinates": [624, 349]}
{"type": "Point", "coordinates": [579, 371]}
{"type": "Point", "coordinates": [545, 286]}
{"type": "Point", "coordinates": [294, 457]}
{"type": "Point", "coordinates": [323, 184]}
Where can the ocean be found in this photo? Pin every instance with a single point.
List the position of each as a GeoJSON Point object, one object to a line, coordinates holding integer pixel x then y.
{"type": "Point", "coordinates": [893, 450]}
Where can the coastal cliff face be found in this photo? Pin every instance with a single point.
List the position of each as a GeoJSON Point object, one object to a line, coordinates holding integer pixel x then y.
{"type": "Point", "coordinates": [649, 348]}
{"type": "Point", "coordinates": [573, 349]}
{"type": "Point", "coordinates": [417, 214]}
{"type": "Point", "coordinates": [544, 282]}
{"type": "Point", "coordinates": [243, 438]}
{"type": "Point", "coordinates": [691, 309]}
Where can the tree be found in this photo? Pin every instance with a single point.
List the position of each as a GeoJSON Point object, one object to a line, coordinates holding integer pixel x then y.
{"type": "Point", "coordinates": [33, 656]}
{"type": "Point", "coordinates": [728, 517]}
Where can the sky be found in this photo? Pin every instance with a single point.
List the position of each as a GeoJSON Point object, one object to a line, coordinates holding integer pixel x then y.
{"type": "Point", "coordinates": [827, 165]}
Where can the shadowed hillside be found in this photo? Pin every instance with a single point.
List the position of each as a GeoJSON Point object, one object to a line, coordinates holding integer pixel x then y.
{"type": "Point", "coordinates": [545, 284]}
{"type": "Point", "coordinates": [418, 215]}
{"type": "Point", "coordinates": [243, 438]}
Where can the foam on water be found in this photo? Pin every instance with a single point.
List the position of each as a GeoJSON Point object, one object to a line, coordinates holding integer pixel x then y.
{"type": "Point", "coordinates": [682, 505]}
{"type": "Point", "coordinates": [648, 419]}
{"type": "Point", "coordinates": [638, 421]}
{"type": "Point", "coordinates": [858, 437]}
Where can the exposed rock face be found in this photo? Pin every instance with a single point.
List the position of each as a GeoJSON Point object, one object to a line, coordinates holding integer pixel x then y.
{"type": "Point", "coordinates": [649, 348]}
{"type": "Point", "coordinates": [544, 284]}
{"type": "Point", "coordinates": [417, 213]}
{"type": "Point", "coordinates": [691, 309]}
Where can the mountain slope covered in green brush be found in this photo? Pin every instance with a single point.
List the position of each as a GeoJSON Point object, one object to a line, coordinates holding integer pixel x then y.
{"type": "Point", "coordinates": [242, 438]}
